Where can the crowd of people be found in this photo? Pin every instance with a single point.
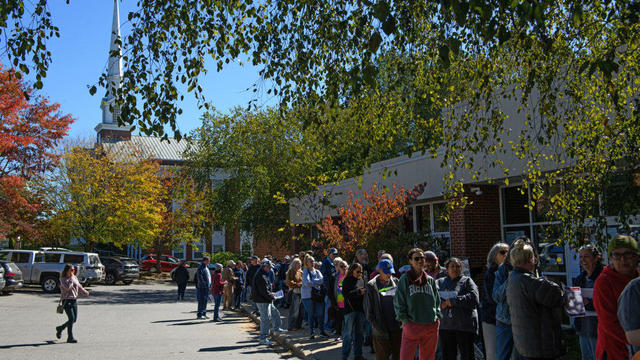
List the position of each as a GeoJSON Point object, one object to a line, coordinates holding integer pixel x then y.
{"type": "Point", "coordinates": [428, 311]}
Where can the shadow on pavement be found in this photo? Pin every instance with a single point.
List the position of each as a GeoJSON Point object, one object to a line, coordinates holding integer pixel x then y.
{"type": "Point", "coordinates": [226, 348]}
{"type": "Point", "coordinates": [49, 342]}
{"type": "Point", "coordinates": [129, 296]}
{"type": "Point", "coordinates": [168, 321]}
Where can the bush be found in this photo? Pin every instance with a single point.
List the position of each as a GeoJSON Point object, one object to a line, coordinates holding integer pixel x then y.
{"type": "Point", "coordinates": [223, 257]}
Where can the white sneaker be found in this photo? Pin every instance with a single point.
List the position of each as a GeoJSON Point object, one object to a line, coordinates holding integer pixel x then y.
{"type": "Point", "coordinates": [265, 342]}
{"type": "Point", "coordinates": [280, 331]}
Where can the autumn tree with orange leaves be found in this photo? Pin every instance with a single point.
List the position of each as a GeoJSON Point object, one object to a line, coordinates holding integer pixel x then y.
{"type": "Point", "coordinates": [30, 129]}
{"type": "Point", "coordinates": [362, 218]}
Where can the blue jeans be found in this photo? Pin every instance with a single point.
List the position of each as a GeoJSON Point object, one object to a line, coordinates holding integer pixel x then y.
{"type": "Point", "coordinates": [327, 305]}
{"type": "Point", "coordinates": [353, 330]}
{"type": "Point", "coordinates": [71, 309]}
{"type": "Point", "coordinates": [315, 312]}
{"type": "Point", "coordinates": [254, 307]}
{"type": "Point", "coordinates": [269, 319]}
{"type": "Point", "coordinates": [504, 341]}
{"type": "Point", "coordinates": [588, 347]}
{"type": "Point", "coordinates": [237, 297]}
{"type": "Point", "coordinates": [217, 298]}
{"type": "Point", "coordinates": [203, 296]}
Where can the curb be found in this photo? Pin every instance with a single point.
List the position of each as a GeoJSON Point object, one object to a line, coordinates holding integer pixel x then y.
{"type": "Point", "coordinates": [281, 339]}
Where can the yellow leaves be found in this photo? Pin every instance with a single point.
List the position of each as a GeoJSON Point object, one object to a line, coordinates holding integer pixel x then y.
{"type": "Point", "coordinates": [110, 201]}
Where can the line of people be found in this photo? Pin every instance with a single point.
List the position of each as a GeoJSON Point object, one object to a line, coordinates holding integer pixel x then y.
{"type": "Point", "coordinates": [428, 311]}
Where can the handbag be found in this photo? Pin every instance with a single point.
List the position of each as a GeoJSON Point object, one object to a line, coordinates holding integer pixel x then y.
{"type": "Point", "coordinates": [317, 295]}
{"type": "Point", "coordinates": [60, 308]}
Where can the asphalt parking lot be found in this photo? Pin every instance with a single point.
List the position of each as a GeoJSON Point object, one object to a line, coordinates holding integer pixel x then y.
{"type": "Point", "coordinates": [138, 321]}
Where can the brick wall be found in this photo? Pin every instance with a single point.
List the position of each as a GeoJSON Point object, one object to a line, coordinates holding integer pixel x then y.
{"type": "Point", "coordinates": [232, 241]}
{"type": "Point", "coordinates": [476, 228]}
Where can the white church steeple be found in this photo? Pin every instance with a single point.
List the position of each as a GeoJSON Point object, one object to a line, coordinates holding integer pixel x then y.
{"type": "Point", "coordinates": [108, 129]}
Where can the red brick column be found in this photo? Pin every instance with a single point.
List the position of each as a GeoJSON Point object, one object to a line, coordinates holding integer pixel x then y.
{"type": "Point", "coordinates": [476, 228]}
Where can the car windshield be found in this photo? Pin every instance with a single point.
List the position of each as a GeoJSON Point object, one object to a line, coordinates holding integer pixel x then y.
{"type": "Point", "coordinates": [94, 260]}
{"type": "Point", "coordinates": [169, 259]}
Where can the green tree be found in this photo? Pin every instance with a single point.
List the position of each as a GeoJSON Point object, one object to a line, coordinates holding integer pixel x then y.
{"type": "Point", "coordinates": [260, 159]}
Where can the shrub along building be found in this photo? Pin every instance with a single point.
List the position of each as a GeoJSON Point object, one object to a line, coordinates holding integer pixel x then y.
{"type": "Point", "coordinates": [119, 140]}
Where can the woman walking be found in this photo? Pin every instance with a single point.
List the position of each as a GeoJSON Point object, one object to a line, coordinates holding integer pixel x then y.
{"type": "Point", "coordinates": [354, 320]}
{"type": "Point", "coordinates": [417, 306]}
{"type": "Point", "coordinates": [459, 324]}
{"type": "Point", "coordinates": [293, 281]}
{"type": "Point", "coordinates": [495, 258]}
{"type": "Point", "coordinates": [69, 288]}
{"type": "Point", "coordinates": [312, 281]}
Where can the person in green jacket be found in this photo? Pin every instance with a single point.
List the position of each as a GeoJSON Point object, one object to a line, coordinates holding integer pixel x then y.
{"type": "Point", "coordinates": [417, 306]}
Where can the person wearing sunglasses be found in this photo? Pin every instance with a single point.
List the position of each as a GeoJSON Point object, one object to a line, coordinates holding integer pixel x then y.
{"type": "Point", "coordinates": [587, 326]}
{"type": "Point", "coordinates": [432, 265]}
{"type": "Point", "coordinates": [354, 320]}
{"type": "Point", "coordinates": [622, 268]}
{"type": "Point", "coordinates": [495, 258]}
{"type": "Point", "coordinates": [417, 307]}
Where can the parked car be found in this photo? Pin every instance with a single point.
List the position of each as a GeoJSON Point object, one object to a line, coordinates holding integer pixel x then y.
{"type": "Point", "coordinates": [44, 267]}
{"type": "Point", "coordinates": [12, 277]}
{"type": "Point", "coordinates": [53, 249]}
{"type": "Point", "coordinates": [167, 262]}
{"type": "Point", "coordinates": [192, 267]}
{"type": "Point", "coordinates": [2, 280]}
{"type": "Point", "coordinates": [93, 268]}
{"type": "Point", "coordinates": [120, 268]}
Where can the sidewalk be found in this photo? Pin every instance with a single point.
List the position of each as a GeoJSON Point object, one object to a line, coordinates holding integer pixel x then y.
{"type": "Point", "coordinates": [300, 345]}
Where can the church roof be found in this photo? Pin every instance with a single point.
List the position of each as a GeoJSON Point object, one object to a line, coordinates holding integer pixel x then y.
{"type": "Point", "coordinates": [147, 147]}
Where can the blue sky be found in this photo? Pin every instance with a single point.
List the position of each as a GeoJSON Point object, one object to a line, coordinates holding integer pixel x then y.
{"type": "Point", "coordinates": [80, 55]}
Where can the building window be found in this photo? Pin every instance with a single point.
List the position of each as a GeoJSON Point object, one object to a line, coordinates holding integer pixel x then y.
{"type": "Point", "coordinates": [218, 240]}
{"type": "Point", "coordinates": [198, 249]}
{"type": "Point", "coordinates": [430, 219]}
{"type": "Point", "coordinates": [180, 251]}
{"type": "Point", "coordinates": [514, 205]}
{"type": "Point", "coordinates": [440, 223]}
{"type": "Point", "coordinates": [423, 214]}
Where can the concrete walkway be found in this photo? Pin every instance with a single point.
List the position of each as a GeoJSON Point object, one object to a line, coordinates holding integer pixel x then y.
{"type": "Point", "coordinates": [300, 345]}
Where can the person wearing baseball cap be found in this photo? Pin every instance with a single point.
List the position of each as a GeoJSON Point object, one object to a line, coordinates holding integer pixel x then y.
{"type": "Point", "coordinates": [264, 297]}
{"type": "Point", "coordinates": [432, 266]}
{"type": "Point", "coordinates": [622, 268]}
{"type": "Point", "coordinates": [378, 309]}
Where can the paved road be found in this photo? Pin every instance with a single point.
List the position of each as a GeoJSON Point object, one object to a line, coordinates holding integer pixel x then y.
{"type": "Point", "coordinates": [139, 321]}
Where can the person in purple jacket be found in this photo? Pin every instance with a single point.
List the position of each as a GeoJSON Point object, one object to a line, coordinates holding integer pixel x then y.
{"type": "Point", "coordinates": [69, 289]}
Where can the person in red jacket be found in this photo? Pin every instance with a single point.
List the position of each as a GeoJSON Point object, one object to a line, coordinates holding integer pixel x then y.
{"type": "Point", "coordinates": [623, 267]}
{"type": "Point", "coordinates": [217, 290]}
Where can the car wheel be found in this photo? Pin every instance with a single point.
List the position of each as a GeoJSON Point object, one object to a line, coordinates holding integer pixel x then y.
{"type": "Point", "coordinates": [110, 278]}
{"type": "Point", "coordinates": [127, 282]}
{"type": "Point", "coordinates": [50, 284]}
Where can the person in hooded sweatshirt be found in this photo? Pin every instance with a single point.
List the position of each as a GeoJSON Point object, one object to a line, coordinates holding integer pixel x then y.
{"type": "Point", "coordinates": [417, 307]}
{"type": "Point", "coordinates": [623, 267]}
